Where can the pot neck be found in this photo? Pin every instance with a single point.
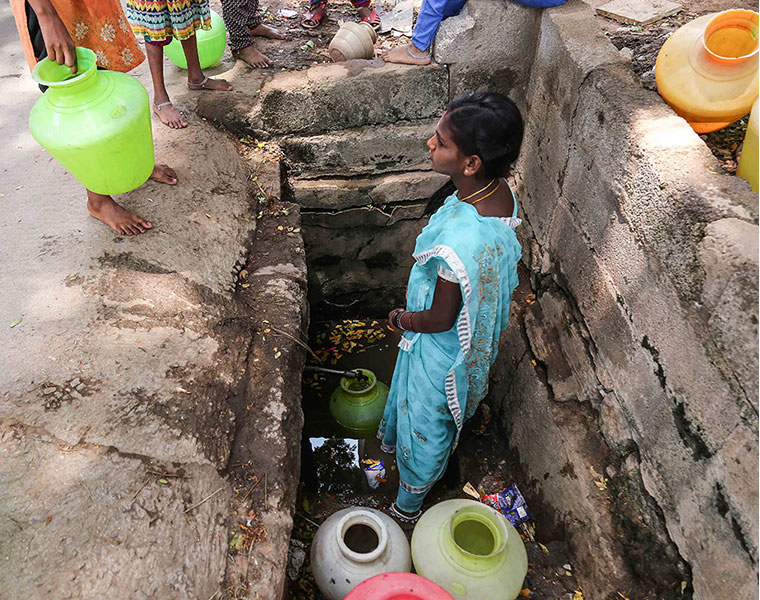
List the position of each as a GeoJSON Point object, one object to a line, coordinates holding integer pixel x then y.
{"type": "Point", "coordinates": [476, 538]}
{"type": "Point", "coordinates": [359, 395]}
{"type": "Point", "coordinates": [66, 90]}
{"type": "Point", "coordinates": [368, 519]}
{"type": "Point", "coordinates": [731, 38]}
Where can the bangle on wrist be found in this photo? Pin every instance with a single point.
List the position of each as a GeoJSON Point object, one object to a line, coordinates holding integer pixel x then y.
{"type": "Point", "coordinates": [411, 322]}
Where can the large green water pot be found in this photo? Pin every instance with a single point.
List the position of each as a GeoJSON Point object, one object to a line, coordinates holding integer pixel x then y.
{"type": "Point", "coordinates": [211, 43]}
{"type": "Point", "coordinates": [359, 410]}
{"type": "Point", "coordinates": [470, 550]}
{"type": "Point", "coordinates": [95, 123]}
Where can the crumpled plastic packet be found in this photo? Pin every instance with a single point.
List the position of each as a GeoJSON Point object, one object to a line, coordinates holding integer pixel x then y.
{"type": "Point", "coordinates": [511, 504]}
{"type": "Point", "coordinates": [374, 471]}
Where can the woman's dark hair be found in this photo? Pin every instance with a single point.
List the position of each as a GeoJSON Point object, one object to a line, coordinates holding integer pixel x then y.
{"type": "Point", "coordinates": [488, 125]}
{"type": "Point", "coordinates": [485, 124]}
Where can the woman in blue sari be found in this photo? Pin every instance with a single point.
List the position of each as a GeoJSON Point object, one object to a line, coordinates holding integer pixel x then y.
{"type": "Point", "coordinates": [458, 296]}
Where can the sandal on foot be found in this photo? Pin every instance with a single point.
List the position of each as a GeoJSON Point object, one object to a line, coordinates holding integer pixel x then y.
{"type": "Point", "coordinates": [312, 19]}
{"type": "Point", "coordinates": [373, 20]}
{"type": "Point", "coordinates": [407, 522]}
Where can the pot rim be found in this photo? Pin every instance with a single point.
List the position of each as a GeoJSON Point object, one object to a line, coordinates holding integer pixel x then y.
{"type": "Point", "coordinates": [82, 54]}
{"type": "Point", "coordinates": [726, 18]}
{"type": "Point", "coordinates": [373, 383]}
{"type": "Point", "coordinates": [362, 516]}
{"type": "Point", "coordinates": [485, 515]}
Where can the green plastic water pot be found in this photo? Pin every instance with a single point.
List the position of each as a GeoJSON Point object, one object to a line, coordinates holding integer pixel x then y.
{"type": "Point", "coordinates": [211, 44]}
{"type": "Point", "coordinates": [470, 550]}
{"type": "Point", "coordinates": [95, 123]}
{"type": "Point", "coordinates": [359, 410]}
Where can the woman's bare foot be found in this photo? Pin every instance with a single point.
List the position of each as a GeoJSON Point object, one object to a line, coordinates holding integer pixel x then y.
{"type": "Point", "coordinates": [209, 84]}
{"type": "Point", "coordinates": [169, 115]}
{"type": "Point", "coordinates": [163, 174]}
{"type": "Point", "coordinates": [407, 55]}
{"type": "Point", "coordinates": [253, 57]}
{"type": "Point", "coordinates": [120, 220]}
{"type": "Point", "coordinates": [267, 32]}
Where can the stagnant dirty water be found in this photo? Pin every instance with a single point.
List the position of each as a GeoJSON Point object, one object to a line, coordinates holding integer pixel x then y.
{"type": "Point", "coordinates": [331, 477]}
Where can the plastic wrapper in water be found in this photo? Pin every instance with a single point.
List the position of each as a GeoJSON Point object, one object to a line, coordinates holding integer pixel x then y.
{"type": "Point", "coordinates": [374, 471]}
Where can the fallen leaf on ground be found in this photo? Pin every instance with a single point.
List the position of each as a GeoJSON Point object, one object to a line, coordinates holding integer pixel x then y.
{"type": "Point", "coordinates": [16, 322]}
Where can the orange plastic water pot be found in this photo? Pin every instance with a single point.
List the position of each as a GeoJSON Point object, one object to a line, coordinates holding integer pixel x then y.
{"type": "Point", "coordinates": [707, 71]}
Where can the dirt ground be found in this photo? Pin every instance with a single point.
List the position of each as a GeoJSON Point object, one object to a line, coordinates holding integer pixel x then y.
{"type": "Point", "coordinates": [306, 47]}
{"type": "Point", "coordinates": [643, 44]}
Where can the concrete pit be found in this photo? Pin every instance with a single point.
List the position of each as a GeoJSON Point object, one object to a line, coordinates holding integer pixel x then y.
{"type": "Point", "coordinates": [165, 440]}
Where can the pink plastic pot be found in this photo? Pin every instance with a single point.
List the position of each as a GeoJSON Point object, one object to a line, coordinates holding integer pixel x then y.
{"type": "Point", "coordinates": [398, 586]}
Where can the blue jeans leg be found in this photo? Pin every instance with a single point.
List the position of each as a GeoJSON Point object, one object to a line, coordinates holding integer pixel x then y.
{"type": "Point", "coordinates": [432, 12]}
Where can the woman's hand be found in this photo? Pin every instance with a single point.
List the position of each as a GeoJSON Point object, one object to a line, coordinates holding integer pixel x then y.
{"type": "Point", "coordinates": [58, 43]}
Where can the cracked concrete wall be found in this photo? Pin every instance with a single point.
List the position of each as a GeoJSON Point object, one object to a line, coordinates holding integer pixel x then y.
{"type": "Point", "coordinates": [628, 387]}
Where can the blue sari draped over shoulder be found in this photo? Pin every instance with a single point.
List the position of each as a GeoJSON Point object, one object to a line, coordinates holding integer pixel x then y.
{"type": "Point", "coordinates": [440, 378]}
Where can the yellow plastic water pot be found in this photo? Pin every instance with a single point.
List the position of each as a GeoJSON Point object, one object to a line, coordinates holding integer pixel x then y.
{"type": "Point", "coordinates": [707, 70]}
{"type": "Point", "coordinates": [95, 123]}
{"type": "Point", "coordinates": [749, 156]}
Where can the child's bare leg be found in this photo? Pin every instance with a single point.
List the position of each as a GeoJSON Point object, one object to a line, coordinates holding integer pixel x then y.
{"type": "Point", "coordinates": [117, 218]}
{"type": "Point", "coordinates": [195, 77]}
{"type": "Point", "coordinates": [161, 104]}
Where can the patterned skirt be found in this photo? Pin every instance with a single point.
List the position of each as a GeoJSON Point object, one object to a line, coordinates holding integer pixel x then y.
{"type": "Point", "coordinates": [158, 20]}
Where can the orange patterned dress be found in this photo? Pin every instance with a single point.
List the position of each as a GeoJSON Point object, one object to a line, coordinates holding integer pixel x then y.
{"type": "Point", "coordinates": [99, 25]}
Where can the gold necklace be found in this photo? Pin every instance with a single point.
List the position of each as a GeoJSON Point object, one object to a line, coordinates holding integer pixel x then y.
{"type": "Point", "coordinates": [485, 187]}
{"type": "Point", "coordinates": [488, 194]}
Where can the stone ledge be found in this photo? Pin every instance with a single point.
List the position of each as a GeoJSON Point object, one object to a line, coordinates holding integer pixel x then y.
{"type": "Point", "coordinates": [361, 151]}
{"type": "Point", "coordinates": [352, 94]}
{"type": "Point", "coordinates": [395, 188]}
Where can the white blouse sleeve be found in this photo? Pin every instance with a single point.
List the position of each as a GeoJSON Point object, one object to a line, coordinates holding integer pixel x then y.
{"type": "Point", "coordinates": [447, 274]}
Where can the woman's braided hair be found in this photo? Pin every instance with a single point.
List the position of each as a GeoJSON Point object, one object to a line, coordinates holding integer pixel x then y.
{"type": "Point", "coordinates": [488, 125]}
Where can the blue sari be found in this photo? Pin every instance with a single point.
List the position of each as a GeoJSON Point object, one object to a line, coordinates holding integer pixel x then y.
{"type": "Point", "coordinates": [440, 378]}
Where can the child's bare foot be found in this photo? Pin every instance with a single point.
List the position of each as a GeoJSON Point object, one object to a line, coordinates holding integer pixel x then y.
{"type": "Point", "coordinates": [163, 174]}
{"type": "Point", "coordinates": [407, 55]}
{"type": "Point", "coordinates": [120, 220]}
{"type": "Point", "coordinates": [209, 84]}
{"type": "Point", "coordinates": [169, 115]}
{"type": "Point", "coordinates": [267, 32]}
{"type": "Point", "coordinates": [253, 57]}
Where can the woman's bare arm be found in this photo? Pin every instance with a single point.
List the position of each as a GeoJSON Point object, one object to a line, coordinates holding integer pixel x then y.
{"type": "Point", "coordinates": [58, 43]}
{"type": "Point", "coordinates": [442, 314]}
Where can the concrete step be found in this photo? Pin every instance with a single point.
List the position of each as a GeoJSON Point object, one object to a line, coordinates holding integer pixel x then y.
{"type": "Point", "coordinates": [330, 97]}
{"type": "Point", "coordinates": [360, 151]}
{"type": "Point", "coordinates": [358, 92]}
{"type": "Point", "coordinates": [394, 188]}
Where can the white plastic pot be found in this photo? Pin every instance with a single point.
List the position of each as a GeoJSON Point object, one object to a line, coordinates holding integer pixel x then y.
{"type": "Point", "coordinates": [355, 544]}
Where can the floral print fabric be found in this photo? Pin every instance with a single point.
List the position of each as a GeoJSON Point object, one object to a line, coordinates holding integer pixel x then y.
{"type": "Point", "coordinates": [99, 25]}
